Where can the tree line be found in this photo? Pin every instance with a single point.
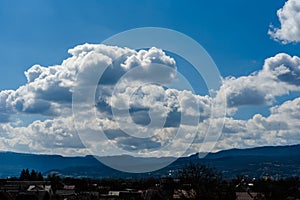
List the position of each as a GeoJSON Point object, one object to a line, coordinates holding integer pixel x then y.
{"type": "Point", "coordinates": [196, 180]}
{"type": "Point", "coordinates": [26, 175]}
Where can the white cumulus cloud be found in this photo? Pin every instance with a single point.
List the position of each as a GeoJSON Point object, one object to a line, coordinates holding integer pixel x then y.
{"type": "Point", "coordinates": [279, 76]}
{"type": "Point", "coordinates": [132, 85]}
{"type": "Point", "coordinates": [48, 92]}
{"type": "Point", "coordinates": [289, 18]}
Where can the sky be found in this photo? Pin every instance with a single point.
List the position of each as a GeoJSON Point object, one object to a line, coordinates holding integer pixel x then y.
{"type": "Point", "coordinates": [46, 44]}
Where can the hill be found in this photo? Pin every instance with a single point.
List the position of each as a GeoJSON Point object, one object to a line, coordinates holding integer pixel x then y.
{"type": "Point", "coordinates": [277, 161]}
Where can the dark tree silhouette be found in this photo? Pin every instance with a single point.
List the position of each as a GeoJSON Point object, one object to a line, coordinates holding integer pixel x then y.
{"type": "Point", "coordinates": [205, 183]}
{"type": "Point", "coordinates": [40, 177]}
{"type": "Point", "coordinates": [25, 175]}
{"type": "Point", "coordinates": [32, 176]}
{"type": "Point", "coordinates": [56, 182]}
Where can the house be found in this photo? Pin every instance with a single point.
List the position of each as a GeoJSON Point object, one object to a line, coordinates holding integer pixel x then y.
{"type": "Point", "coordinates": [39, 192]}
{"type": "Point", "coordinates": [67, 192]}
{"type": "Point", "coordinates": [25, 190]}
{"type": "Point", "coordinates": [249, 196]}
{"type": "Point", "coordinates": [127, 194]}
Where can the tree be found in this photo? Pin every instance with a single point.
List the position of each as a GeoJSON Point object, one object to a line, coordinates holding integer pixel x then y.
{"type": "Point", "coordinates": [55, 181]}
{"type": "Point", "coordinates": [25, 175]}
{"type": "Point", "coordinates": [32, 176]}
{"type": "Point", "coordinates": [40, 177]}
{"type": "Point", "coordinates": [205, 182]}
{"type": "Point", "coordinates": [22, 175]}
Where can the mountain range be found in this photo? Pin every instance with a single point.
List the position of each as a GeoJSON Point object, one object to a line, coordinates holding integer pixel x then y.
{"type": "Point", "coordinates": [274, 161]}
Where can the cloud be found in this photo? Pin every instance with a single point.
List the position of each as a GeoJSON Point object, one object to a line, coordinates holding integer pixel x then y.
{"type": "Point", "coordinates": [279, 128]}
{"type": "Point", "coordinates": [5, 109]}
{"type": "Point", "coordinates": [51, 136]}
{"type": "Point", "coordinates": [289, 18]}
{"type": "Point", "coordinates": [140, 77]}
{"type": "Point", "coordinates": [285, 68]}
{"type": "Point", "coordinates": [137, 112]}
{"type": "Point", "coordinates": [49, 89]}
{"type": "Point", "coordinates": [279, 75]}
{"type": "Point", "coordinates": [259, 88]}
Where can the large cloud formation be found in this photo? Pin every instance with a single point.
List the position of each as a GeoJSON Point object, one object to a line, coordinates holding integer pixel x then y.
{"type": "Point", "coordinates": [289, 18]}
{"type": "Point", "coordinates": [37, 117]}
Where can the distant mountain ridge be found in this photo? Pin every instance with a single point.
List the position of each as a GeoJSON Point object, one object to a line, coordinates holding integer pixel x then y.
{"type": "Point", "coordinates": [276, 161]}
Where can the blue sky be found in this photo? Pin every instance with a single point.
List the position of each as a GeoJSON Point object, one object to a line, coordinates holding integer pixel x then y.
{"type": "Point", "coordinates": [234, 33]}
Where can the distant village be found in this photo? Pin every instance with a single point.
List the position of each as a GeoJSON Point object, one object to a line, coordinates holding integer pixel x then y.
{"type": "Point", "coordinates": [192, 182]}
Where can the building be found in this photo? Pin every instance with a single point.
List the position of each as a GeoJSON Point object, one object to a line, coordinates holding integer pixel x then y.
{"type": "Point", "coordinates": [26, 190]}
{"type": "Point", "coordinates": [249, 196]}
